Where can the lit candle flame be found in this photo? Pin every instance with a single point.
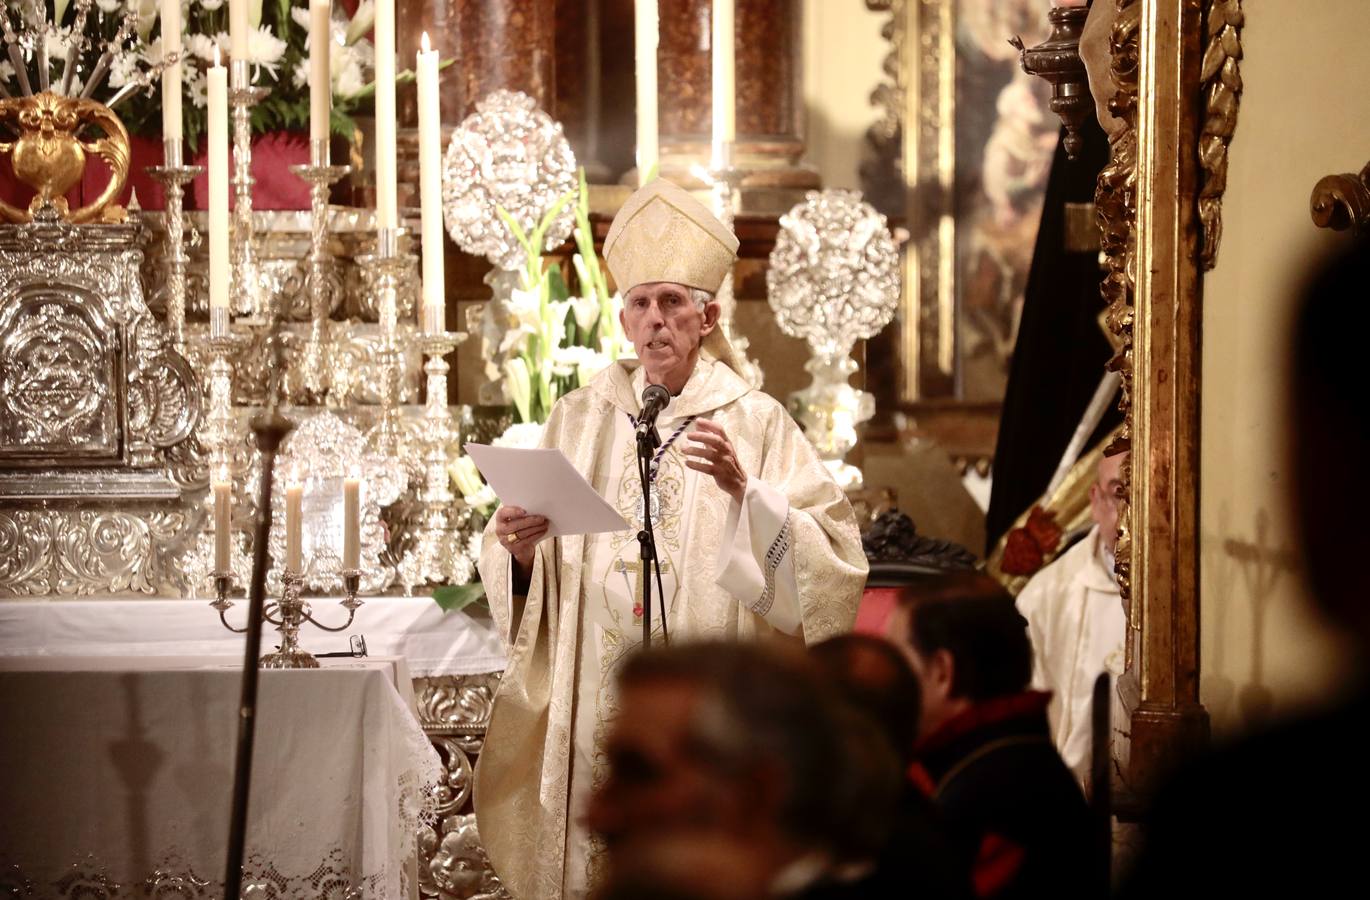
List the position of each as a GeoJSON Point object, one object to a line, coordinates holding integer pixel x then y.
{"type": "Point", "coordinates": [427, 47]}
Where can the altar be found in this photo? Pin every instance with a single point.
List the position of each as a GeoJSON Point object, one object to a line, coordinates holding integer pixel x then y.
{"type": "Point", "coordinates": [118, 773]}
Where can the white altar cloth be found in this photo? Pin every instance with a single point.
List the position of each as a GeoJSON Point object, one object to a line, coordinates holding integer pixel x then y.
{"type": "Point", "coordinates": [432, 642]}
{"type": "Point", "coordinates": [119, 772]}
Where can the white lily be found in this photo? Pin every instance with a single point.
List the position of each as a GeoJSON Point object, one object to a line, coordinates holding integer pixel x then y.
{"type": "Point", "coordinates": [147, 10]}
{"type": "Point", "coordinates": [465, 475]}
{"type": "Point", "coordinates": [362, 22]}
{"type": "Point", "coordinates": [517, 379]}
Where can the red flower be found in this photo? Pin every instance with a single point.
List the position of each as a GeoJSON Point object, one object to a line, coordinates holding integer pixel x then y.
{"type": "Point", "coordinates": [1044, 530]}
{"type": "Point", "coordinates": [1022, 556]}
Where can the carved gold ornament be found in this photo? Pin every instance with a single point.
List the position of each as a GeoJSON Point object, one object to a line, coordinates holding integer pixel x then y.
{"type": "Point", "coordinates": [1342, 201]}
{"type": "Point", "coordinates": [1222, 83]}
{"type": "Point", "coordinates": [50, 158]}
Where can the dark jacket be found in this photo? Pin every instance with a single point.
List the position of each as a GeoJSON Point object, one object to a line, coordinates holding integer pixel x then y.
{"type": "Point", "coordinates": [1011, 807]}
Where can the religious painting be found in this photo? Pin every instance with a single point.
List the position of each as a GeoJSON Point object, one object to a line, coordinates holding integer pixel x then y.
{"type": "Point", "coordinates": [962, 156]}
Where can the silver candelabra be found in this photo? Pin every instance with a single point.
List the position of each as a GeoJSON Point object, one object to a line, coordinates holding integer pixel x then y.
{"type": "Point", "coordinates": [386, 270]}
{"type": "Point", "coordinates": [437, 554]}
{"type": "Point", "coordinates": [243, 96]}
{"type": "Point", "coordinates": [174, 175]}
{"type": "Point", "coordinates": [323, 283]}
{"type": "Point", "coordinates": [289, 614]}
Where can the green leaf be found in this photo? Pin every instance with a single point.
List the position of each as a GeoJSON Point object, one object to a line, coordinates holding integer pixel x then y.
{"type": "Point", "coordinates": [514, 229]}
{"type": "Point", "coordinates": [556, 284]}
{"type": "Point", "coordinates": [456, 597]}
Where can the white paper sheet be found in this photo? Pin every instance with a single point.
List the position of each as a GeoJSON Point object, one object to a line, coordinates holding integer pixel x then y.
{"type": "Point", "coordinates": [544, 483]}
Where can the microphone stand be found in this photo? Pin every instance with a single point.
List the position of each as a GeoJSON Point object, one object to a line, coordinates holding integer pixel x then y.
{"type": "Point", "coordinates": [270, 427]}
{"type": "Point", "coordinates": [647, 442]}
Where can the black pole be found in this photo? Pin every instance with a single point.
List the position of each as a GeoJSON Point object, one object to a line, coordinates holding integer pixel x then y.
{"type": "Point", "coordinates": [646, 443]}
{"type": "Point", "coordinates": [270, 427]}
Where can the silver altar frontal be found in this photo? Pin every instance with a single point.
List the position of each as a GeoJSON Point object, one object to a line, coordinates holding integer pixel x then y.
{"type": "Point", "coordinates": [97, 414]}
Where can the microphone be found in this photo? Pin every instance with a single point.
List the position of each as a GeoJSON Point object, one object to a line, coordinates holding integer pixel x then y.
{"type": "Point", "coordinates": [654, 400]}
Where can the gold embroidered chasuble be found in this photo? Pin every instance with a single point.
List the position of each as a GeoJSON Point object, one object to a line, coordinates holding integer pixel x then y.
{"type": "Point", "coordinates": [785, 563]}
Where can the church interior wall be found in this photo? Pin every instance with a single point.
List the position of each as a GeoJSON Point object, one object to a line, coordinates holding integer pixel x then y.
{"type": "Point", "coordinates": [1262, 653]}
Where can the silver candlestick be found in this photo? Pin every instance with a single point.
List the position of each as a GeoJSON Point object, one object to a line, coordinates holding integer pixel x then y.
{"type": "Point", "coordinates": [219, 431]}
{"type": "Point", "coordinates": [386, 271]}
{"type": "Point", "coordinates": [243, 96]}
{"type": "Point", "coordinates": [289, 615]}
{"type": "Point", "coordinates": [323, 283]}
{"type": "Point", "coordinates": [437, 554]}
{"type": "Point", "coordinates": [174, 175]}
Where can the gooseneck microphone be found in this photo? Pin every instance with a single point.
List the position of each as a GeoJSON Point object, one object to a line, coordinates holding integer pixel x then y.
{"type": "Point", "coordinates": [654, 400]}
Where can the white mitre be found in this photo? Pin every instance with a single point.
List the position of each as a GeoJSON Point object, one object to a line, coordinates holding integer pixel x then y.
{"type": "Point", "coordinates": [662, 233]}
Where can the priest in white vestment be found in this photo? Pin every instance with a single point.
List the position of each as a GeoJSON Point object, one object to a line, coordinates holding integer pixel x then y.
{"type": "Point", "coordinates": [1077, 623]}
{"type": "Point", "coordinates": [755, 540]}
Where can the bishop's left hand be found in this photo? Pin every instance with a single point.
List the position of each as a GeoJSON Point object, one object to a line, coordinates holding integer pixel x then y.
{"type": "Point", "coordinates": [709, 451]}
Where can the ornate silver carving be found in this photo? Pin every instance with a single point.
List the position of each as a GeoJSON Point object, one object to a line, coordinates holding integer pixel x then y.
{"type": "Point", "coordinates": [174, 176]}
{"type": "Point", "coordinates": [89, 377]}
{"type": "Point", "coordinates": [455, 711]}
{"type": "Point", "coordinates": [833, 280]}
{"type": "Point", "coordinates": [438, 553]}
{"type": "Point", "coordinates": [85, 551]}
{"type": "Point", "coordinates": [320, 453]}
{"type": "Point", "coordinates": [95, 406]}
{"type": "Point", "coordinates": [251, 297]}
{"type": "Point", "coordinates": [507, 155]}
{"type": "Point", "coordinates": [58, 377]}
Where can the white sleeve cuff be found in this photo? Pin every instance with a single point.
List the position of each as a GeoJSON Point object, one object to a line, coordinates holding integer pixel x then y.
{"type": "Point", "coordinates": [755, 558]}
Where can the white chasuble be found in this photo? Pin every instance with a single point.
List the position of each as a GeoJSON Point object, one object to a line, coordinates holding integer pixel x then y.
{"type": "Point", "coordinates": [1077, 626]}
{"type": "Point", "coordinates": [786, 563]}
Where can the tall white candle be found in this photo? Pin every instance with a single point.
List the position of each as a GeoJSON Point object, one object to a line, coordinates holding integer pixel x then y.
{"type": "Point", "coordinates": [724, 81]}
{"type": "Point", "coordinates": [223, 519]}
{"type": "Point", "coordinates": [352, 544]}
{"type": "Point", "coordinates": [646, 28]}
{"type": "Point", "coordinates": [294, 497]}
{"type": "Point", "coordinates": [320, 71]}
{"type": "Point", "coordinates": [171, 75]}
{"type": "Point", "coordinates": [237, 28]}
{"type": "Point", "coordinates": [387, 214]}
{"type": "Point", "coordinates": [217, 89]}
{"type": "Point", "coordinates": [430, 189]}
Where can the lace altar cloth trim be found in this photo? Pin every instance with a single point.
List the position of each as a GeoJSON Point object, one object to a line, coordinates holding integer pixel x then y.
{"type": "Point", "coordinates": [175, 879]}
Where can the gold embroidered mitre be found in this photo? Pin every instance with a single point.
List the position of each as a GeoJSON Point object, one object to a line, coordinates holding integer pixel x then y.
{"type": "Point", "coordinates": [664, 234]}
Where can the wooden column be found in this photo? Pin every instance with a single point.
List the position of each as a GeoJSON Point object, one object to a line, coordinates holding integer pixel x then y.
{"type": "Point", "coordinates": [1157, 48]}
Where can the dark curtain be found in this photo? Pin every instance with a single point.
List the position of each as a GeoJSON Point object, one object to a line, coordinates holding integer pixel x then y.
{"type": "Point", "coordinates": [1061, 350]}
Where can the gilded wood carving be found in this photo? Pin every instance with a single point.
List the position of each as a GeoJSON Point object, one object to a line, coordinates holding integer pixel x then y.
{"type": "Point", "coordinates": [1156, 220]}
{"type": "Point", "coordinates": [1222, 83]}
{"type": "Point", "coordinates": [1115, 202]}
{"type": "Point", "coordinates": [1342, 201]}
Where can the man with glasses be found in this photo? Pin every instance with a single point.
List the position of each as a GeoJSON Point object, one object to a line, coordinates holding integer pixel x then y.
{"type": "Point", "coordinates": [1077, 622]}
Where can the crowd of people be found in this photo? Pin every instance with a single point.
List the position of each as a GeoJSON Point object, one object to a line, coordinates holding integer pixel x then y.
{"type": "Point", "coordinates": [920, 764]}
{"type": "Point", "coordinates": [925, 762]}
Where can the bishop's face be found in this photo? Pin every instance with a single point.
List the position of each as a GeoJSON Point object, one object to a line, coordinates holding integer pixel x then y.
{"type": "Point", "coordinates": [666, 327]}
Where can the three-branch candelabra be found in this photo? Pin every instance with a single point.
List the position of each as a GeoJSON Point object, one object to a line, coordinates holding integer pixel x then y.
{"type": "Point", "coordinates": [289, 614]}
